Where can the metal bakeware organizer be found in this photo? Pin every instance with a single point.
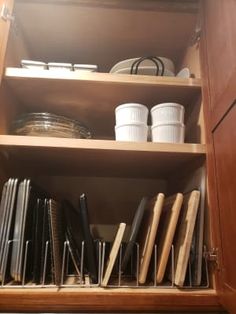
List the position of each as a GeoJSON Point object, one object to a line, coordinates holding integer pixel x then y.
{"type": "Point", "coordinates": [73, 275]}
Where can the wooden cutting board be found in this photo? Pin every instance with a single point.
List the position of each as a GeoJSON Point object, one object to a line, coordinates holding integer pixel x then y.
{"type": "Point", "coordinates": [148, 234]}
{"type": "Point", "coordinates": [113, 253]}
{"type": "Point", "coordinates": [197, 245]}
{"type": "Point", "coordinates": [165, 235]}
{"type": "Point", "coordinates": [184, 235]}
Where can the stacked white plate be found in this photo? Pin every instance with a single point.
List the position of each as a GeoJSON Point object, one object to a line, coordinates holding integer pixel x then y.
{"type": "Point", "coordinates": [146, 67]}
{"type": "Point", "coordinates": [168, 123]}
{"type": "Point", "coordinates": [131, 122]}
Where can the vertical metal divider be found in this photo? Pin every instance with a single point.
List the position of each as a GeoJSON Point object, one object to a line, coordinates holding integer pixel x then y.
{"type": "Point", "coordinates": [190, 274]}
{"type": "Point", "coordinates": [207, 273]}
{"type": "Point", "coordinates": [155, 266]}
{"type": "Point", "coordinates": [65, 267]}
{"type": "Point", "coordinates": [136, 252]}
{"type": "Point", "coordinates": [102, 247]}
{"type": "Point", "coordinates": [201, 286]}
{"type": "Point", "coordinates": [103, 260]}
{"type": "Point", "coordinates": [67, 258]}
{"type": "Point", "coordinates": [45, 263]}
{"type": "Point", "coordinates": [63, 262]}
{"type": "Point", "coordinates": [118, 271]}
{"type": "Point", "coordinates": [137, 265]}
{"type": "Point", "coordinates": [131, 263]}
{"type": "Point", "coordinates": [172, 266]}
{"type": "Point", "coordinates": [25, 261]}
{"type": "Point", "coordinates": [119, 265]}
{"type": "Point", "coordinates": [99, 262]}
{"type": "Point", "coordinates": [107, 245]}
{"type": "Point", "coordinates": [5, 258]}
{"type": "Point", "coordinates": [82, 263]}
{"type": "Point", "coordinates": [74, 263]}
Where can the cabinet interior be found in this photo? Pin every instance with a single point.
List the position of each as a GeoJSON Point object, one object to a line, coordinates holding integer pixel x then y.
{"type": "Point", "coordinates": [101, 33]}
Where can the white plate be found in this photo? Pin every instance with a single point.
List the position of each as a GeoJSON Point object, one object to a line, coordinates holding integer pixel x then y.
{"type": "Point", "coordinates": [144, 70]}
{"type": "Point", "coordinates": [169, 65]}
{"type": "Point", "coordinates": [184, 73]}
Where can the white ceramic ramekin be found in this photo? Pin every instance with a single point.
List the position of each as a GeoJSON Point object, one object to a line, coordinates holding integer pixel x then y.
{"type": "Point", "coordinates": [168, 133]}
{"type": "Point", "coordinates": [167, 112]}
{"type": "Point", "coordinates": [131, 113]}
{"type": "Point", "coordinates": [132, 132]}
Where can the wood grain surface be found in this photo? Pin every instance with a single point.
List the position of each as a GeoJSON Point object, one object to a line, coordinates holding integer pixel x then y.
{"type": "Point", "coordinates": [184, 235]}
{"type": "Point", "coordinates": [225, 156]}
{"type": "Point", "coordinates": [104, 300]}
{"type": "Point", "coordinates": [95, 157]}
{"type": "Point", "coordinates": [113, 253]}
{"type": "Point", "coordinates": [220, 32]}
{"type": "Point", "coordinates": [165, 235]}
{"type": "Point", "coordinates": [148, 234]}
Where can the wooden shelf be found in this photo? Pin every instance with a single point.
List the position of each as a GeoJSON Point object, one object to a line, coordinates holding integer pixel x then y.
{"type": "Point", "coordinates": [92, 97]}
{"type": "Point", "coordinates": [41, 155]}
{"type": "Point", "coordinates": [112, 300]}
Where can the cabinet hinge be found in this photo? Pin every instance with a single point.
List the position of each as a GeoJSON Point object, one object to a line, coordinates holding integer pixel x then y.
{"type": "Point", "coordinates": [212, 256]}
{"type": "Point", "coordinates": [197, 32]}
{"type": "Point", "coordinates": [5, 13]}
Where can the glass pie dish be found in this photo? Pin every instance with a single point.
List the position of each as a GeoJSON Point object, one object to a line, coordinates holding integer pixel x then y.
{"type": "Point", "coordinates": [48, 124]}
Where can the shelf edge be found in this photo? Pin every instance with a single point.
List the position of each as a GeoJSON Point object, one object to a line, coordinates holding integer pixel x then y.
{"type": "Point", "coordinates": [93, 144]}
{"type": "Point", "coordinates": [20, 73]}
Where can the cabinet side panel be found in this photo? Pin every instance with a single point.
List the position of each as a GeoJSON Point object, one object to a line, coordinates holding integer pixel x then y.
{"type": "Point", "coordinates": [16, 46]}
{"type": "Point", "coordinates": [194, 122]}
{"type": "Point", "coordinates": [9, 108]}
{"type": "Point", "coordinates": [191, 60]}
{"type": "Point", "coordinates": [4, 31]}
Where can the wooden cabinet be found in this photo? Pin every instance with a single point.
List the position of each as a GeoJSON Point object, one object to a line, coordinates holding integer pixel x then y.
{"type": "Point", "coordinates": [224, 155]}
{"type": "Point", "coordinates": [219, 79]}
{"type": "Point", "coordinates": [221, 48]}
{"type": "Point", "coordinates": [103, 33]}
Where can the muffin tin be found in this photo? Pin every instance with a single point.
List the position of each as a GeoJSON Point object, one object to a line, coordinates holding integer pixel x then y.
{"type": "Point", "coordinates": [58, 66]}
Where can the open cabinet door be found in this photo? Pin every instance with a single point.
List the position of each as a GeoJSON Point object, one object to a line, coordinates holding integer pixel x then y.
{"type": "Point", "coordinates": [6, 18]}
{"type": "Point", "coordinates": [225, 157]}
{"type": "Point", "coordinates": [218, 48]}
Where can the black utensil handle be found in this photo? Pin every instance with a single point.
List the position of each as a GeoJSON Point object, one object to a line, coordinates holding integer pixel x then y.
{"type": "Point", "coordinates": [155, 60]}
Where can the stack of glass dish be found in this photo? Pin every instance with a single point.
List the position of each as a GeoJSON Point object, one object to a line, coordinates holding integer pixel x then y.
{"type": "Point", "coordinates": [48, 124]}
